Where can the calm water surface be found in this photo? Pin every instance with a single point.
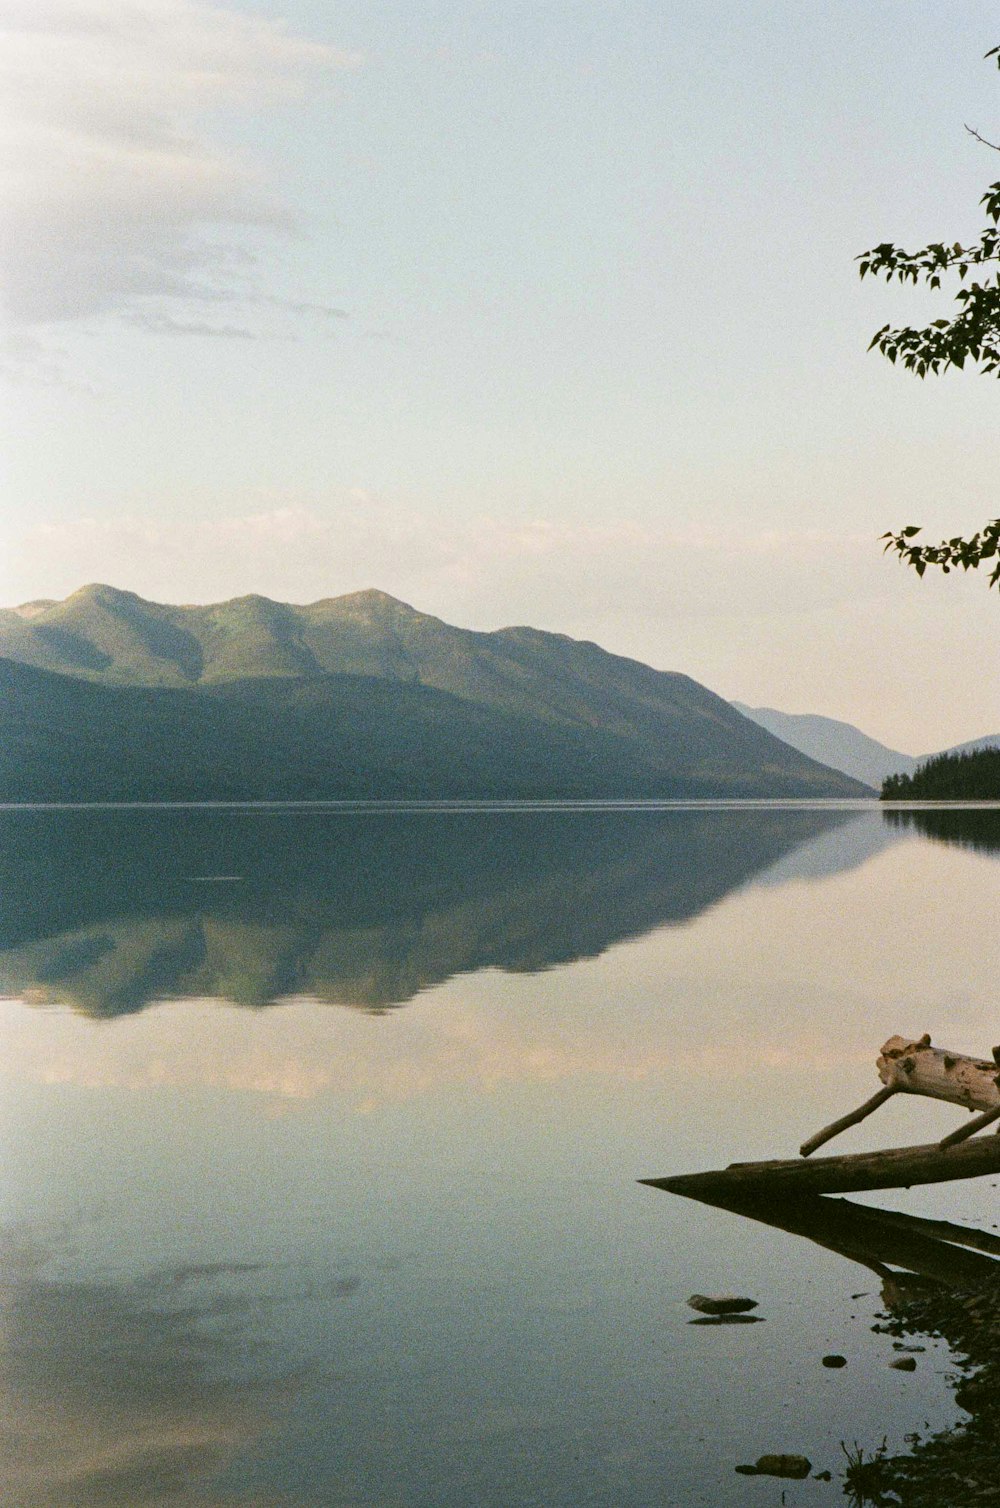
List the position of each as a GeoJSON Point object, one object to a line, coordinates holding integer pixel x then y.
{"type": "Point", "coordinates": [321, 1131]}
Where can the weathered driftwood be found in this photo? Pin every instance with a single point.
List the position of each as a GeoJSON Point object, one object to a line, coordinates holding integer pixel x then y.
{"type": "Point", "coordinates": [908, 1066]}
{"type": "Point", "coordinates": [971, 1127]}
{"type": "Point", "coordinates": [846, 1121]}
{"type": "Point", "coordinates": [918, 1068]}
{"type": "Point", "coordinates": [905, 1066]}
{"type": "Point", "coordinates": [893, 1168]}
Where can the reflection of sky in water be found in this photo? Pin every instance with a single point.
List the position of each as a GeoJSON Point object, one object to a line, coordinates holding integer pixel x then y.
{"type": "Point", "coordinates": [311, 1255]}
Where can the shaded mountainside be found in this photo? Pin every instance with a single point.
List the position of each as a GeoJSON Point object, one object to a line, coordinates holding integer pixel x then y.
{"type": "Point", "coordinates": [115, 637]}
{"type": "Point", "coordinates": [334, 737]}
{"type": "Point", "coordinates": [344, 735]}
{"type": "Point", "coordinates": [110, 910]}
{"type": "Point", "coordinates": [832, 742]}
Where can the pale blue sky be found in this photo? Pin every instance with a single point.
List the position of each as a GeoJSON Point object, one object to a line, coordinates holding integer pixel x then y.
{"type": "Point", "coordinates": [524, 312]}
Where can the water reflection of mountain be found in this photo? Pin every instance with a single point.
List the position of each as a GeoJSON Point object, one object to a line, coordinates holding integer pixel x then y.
{"type": "Point", "coordinates": [977, 828]}
{"type": "Point", "coordinates": [109, 910]}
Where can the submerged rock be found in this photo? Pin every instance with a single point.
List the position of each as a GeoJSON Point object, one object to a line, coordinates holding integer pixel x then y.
{"type": "Point", "coordinates": [835, 1361]}
{"type": "Point", "coordinates": [904, 1364]}
{"type": "Point", "coordinates": [794, 1467]}
{"type": "Point", "coordinates": [723, 1304]}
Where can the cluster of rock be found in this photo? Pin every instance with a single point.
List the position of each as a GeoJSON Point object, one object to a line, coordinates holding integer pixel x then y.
{"type": "Point", "coordinates": [959, 1468]}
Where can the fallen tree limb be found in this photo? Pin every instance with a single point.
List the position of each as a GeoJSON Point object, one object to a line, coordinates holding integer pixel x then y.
{"type": "Point", "coordinates": [908, 1066]}
{"type": "Point", "coordinates": [893, 1168]}
{"type": "Point", "coordinates": [846, 1121]}
{"type": "Point", "coordinates": [964, 1132]}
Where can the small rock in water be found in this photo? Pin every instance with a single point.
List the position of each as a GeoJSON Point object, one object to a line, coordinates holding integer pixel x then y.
{"type": "Point", "coordinates": [723, 1304]}
{"type": "Point", "coordinates": [835, 1361]}
{"type": "Point", "coordinates": [794, 1467]}
{"type": "Point", "coordinates": [904, 1364]}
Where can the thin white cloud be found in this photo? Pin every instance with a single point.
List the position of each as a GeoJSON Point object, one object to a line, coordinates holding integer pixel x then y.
{"type": "Point", "coordinates": [114, 193]}
{"type": "Point", "coordinates": [576, 569]}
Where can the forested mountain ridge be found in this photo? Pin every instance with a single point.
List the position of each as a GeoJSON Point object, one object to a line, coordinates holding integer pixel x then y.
{"type": "Point", "coordinates": [328, 737]}
{"type": "Point", "coordinates": [359, 696]}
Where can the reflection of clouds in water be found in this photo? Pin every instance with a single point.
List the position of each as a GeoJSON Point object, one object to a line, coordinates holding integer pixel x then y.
{"type": "Point", "coordinates": [126, 1392]}
{"type": "Point", "coordinates": [295, 1054]}
{"type": "Point", "coordinates": [122, 1392]}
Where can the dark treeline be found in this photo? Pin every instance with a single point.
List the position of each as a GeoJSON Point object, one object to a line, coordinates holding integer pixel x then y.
{"type": "Point", "coordinates": [973, 776]}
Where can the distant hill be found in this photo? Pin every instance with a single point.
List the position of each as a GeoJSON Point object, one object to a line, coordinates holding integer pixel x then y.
{"type": "Point", "coordinates": [844, 747]}
{"type": "Point", "coordinates": [835, 743]}
{"type": "Point", "coordinates": [989, 741]}
{"type": "Point", "coordinates": [349, 736]}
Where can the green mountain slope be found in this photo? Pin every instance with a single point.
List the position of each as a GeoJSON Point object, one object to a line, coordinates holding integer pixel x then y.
{"type": "Point", "coordinates": [529, 712]}
{"type": "Point", "coordinates": [348, 736]}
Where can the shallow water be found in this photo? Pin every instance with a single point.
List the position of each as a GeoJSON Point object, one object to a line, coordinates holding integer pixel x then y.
{"type": "Point", "coordinates": [321, 1133]}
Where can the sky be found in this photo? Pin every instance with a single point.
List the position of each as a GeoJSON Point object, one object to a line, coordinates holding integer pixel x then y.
{"type": "Point", "coordinates": [524, 312]}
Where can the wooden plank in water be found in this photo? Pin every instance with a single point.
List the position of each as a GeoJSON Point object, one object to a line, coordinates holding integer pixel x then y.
{"type": "Point", "coordinates": [893, 1168]}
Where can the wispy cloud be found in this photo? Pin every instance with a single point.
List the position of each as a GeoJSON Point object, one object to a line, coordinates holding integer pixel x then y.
{"type": "Point", "coordinates": [115, 193]}
{"type": "Point", "coordinates": [168, 324]}
{"type": "Point", "coordinates": [542, 568]}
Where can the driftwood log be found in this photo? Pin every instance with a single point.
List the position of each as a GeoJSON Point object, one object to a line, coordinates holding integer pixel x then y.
{"type": "Point", "coordinates": [908, 1066]}
{"type": "Point", "coordinates": [894, 1168]}
{"type": "Point", "coordinates": [918, 1068]}
{"type": "Point", "coordinates": [905, 1066]}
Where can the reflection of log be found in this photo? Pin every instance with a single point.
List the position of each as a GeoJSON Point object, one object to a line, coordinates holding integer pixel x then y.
{"type": "Point", "coordinates": [879, 1239]}
{"type": "Point", "coordinates": [896, 1167]}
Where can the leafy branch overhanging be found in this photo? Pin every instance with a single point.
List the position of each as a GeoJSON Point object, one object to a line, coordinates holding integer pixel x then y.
{"type": "Point", "coordinates": [972, 335]}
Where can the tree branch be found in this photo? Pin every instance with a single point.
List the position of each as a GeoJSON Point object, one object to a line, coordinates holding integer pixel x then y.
{"type": "Point", "coordinates": [991, 144]}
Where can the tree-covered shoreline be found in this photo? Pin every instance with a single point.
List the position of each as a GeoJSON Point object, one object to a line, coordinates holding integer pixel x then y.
{"type": "Point", "coordinates": [970, 776]}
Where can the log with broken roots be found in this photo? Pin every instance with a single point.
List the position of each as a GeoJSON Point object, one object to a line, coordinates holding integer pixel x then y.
{"type": "Point", "coordinates": [905, 1066]}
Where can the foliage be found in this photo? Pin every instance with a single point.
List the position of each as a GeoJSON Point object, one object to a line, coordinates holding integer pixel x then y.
{"type": "Point", "coordinates": [970, 776]}
{"type": "Point", "coordinates": [972, 335]}
{"type": "Point", "coordinates": [868, 1478]}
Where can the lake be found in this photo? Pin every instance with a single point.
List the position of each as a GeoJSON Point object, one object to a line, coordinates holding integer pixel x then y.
{"type": "Point", "coordinates": [322, 1130]}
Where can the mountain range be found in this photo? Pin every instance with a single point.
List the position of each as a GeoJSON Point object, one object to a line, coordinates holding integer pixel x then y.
{"type": "Point", "coordinates": [105, 696]}
{"type": "Point", "coordinates": [844, 747]}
